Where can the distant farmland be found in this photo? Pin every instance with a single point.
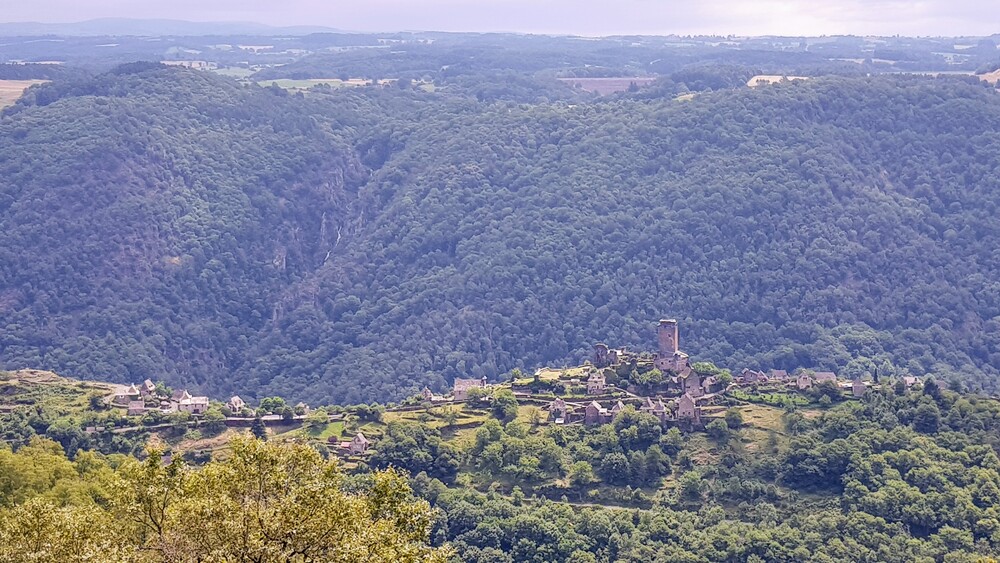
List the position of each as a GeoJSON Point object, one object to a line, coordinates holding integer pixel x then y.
{"type": "Point", "coordinates": [992, 77]}
{"type": "Point", "coordinates": [605, 86]}
{"type": "Point", "coordinates": [11, 90]}
{"type": "Point", "coordinates": [305, 84]}
{"type": "Point", "coordinates": [762, 79]}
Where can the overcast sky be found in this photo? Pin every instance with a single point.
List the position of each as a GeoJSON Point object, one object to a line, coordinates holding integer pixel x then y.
{"type": "Point", "coordinates": [581, 17]}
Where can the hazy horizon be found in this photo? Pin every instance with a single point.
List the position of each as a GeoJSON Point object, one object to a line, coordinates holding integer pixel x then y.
{"type": "Point", "coordinates": [585, 17]}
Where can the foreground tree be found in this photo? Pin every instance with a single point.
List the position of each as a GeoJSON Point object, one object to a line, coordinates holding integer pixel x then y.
{"type": "Point", "coordinates": [258, 429]}
{"type": "Point", "coordinates": [266, 503]}
{"type": "Point", "coordinates": [285, 503]}
{"type": "Point", "coordinates": [38, 531]}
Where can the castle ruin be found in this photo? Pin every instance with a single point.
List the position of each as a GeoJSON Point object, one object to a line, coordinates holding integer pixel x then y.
{"type": "Point", "coordinates": [669, 356]}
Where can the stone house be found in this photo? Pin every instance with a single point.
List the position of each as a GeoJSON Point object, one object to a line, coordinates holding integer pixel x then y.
{"type": "Point", "coordinates": [688, 409]}
{"type": "Point", "coordinates": [803, 381]}
{"type": "Point", "coordinates": [596, 384]}
{"type": "Point", "coordinates": [428, 396]}
{"type": "Point", "coordinates": [858, 388]}
{"type": "Point", "coordinates": [619, 407]}
{"type": "Point", "coordinates": [148, 388]}
{"type": "Point", "coordinates": [557, 409]}
{"type": "Point", "coordinates": [359, 444]}
{"type": "Point", "coordinates": [822, 376]}
{"type": "Point", "coordinates": [460, 389]}
{"type": "Point", "coordinates": [711, 384]}
{"type": "Point", "coordinates": [595, 414]}
{"type": "Point", "coordinates": [750, 376]}
{"type": "Point", "coordinates": [123, 395]}
{"type": "Point", "coordinates": [193, 405]}
{"type": "Point", "coordinates": [778, 375]}
{"type": "Point", "coordinates": [655, 408]}
{"type": "Point", "coordinates": [136, 408]}
{"type": "Point", "coordinates": [678, 362]}
{"type": "Point", "coordinates": [692, 384]}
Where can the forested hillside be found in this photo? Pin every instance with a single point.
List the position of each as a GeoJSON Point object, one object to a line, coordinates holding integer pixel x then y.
{"type": "Point", "coordinates": [348, 246]}
{"type": "Point", "coordinates": [841, 224]}
{"type": "Point", "coordinates": [152, 218]}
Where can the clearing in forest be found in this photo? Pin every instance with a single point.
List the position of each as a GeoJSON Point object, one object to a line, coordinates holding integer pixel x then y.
{"type": "Point", "coordinates": [991, 77]}
{"type": "Point", "coordinates": [305, 84]}
{"type": "Point", "coordinates": [605, 86]}
{"type": "Point", "coordinates": [763, 416]}
{"type": "Point", "coordinates": [762, 79]}
{"type": "Point", "coordinates": [11, 90]}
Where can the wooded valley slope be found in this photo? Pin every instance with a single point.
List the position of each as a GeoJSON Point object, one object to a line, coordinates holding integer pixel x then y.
{"type": "Point", "coordinates": [357, 245]}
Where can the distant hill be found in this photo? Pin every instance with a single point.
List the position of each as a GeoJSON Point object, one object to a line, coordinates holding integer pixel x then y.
{"type": "Point", "coordinates": [358, 245]}
{"type": "Point", "coordinates": [152, 27]}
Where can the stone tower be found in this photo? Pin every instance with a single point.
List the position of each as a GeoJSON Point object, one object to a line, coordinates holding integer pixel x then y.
{"type": "Point", "coordinates": [667, 336]}
{"type": "Point", "coordinates": [602, 357]}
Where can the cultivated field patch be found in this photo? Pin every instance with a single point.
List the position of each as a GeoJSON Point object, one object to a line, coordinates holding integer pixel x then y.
{"type": "Point", "coordinates": [763, 79]}
{"type": "Point", "coordinates": [762, 416]}
{"type": "Point", "coordinates": [305, 84]}
{"type": "Point", "coordinates": [11, 90]}
{"type": "Point", "coordinates": [605, 86]}
{"type": "Point", "coordinates": [991, 77]}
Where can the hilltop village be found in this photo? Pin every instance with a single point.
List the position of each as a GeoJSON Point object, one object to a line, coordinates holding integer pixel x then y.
{"type": "Point", "coordinates": [665, 384]}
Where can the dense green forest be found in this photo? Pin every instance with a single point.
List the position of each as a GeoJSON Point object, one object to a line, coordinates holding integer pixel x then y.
{"type": "Point", "coordinates": [36, 71]}
{"type": "Point", "coordinates": [348, 245]}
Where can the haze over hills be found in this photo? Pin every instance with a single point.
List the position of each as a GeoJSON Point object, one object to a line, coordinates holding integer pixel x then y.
{"type": "Point", "coordinates": [353, 245]}
{"type": "Point", "coordinates": [587, 17]}
{"type": "Point", "coordinates": [153, 27]}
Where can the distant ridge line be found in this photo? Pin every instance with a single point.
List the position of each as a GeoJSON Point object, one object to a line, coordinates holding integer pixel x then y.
{"type": "Point", "coordinates": [154, 27]}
